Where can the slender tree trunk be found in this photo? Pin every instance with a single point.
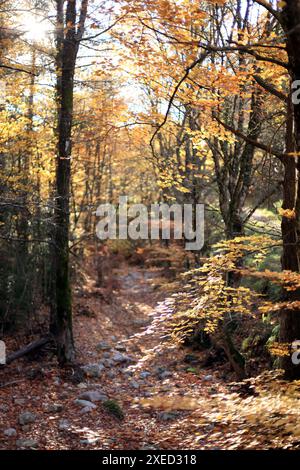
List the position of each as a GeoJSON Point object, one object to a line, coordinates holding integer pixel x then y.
{"type": "Point", "coordinates": [68, 37]}
{"type": "Point", "coordinates": [23, 274]}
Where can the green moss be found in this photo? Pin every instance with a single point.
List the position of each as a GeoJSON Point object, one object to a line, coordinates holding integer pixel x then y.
{"type": "Point", "coordinates": [192, 370]}
{"type": "Point", "coordinates": [114, 408]}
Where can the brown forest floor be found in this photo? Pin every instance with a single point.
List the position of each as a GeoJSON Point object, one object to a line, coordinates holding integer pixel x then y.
{"type": "Point", "coordinates": [171, 408]}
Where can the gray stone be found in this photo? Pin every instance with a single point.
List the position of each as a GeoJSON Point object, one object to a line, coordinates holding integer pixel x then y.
{"type": "Point", "coordinates": [85, 403]}
{"type": "Point", "coordinates": [106, 355]}
{"type": "Point", "coordinates": [207, 378]}
{"type": "Point", "coordinates": [93, 395]}
{"type": "Point", "coordinates": [4, 408]}
{"type": "Point", "coordinates": [93, 370]}
{"type": "Point", "coordinates": [87, 409]}
{"type": "Point", "coordinates": [191, 359]}
{"type": "Point", "coordinates": [27, 417]}
{"type": "Point", "coordinates": [20, 401]}
{"type": "Point", "coordinates": [64, 424]}
{"type": "Point", "coordinates": [108, 363]}
{"type": "Point", "coordinates": [145, 374]}
{"type": "Point", "coordinates": [165, 375]}
{"type": "Point", "coordinates": [103, 346]}
{"type": "Point", "coordinates": [134, 384]}
{"type": "Point", "coordinates": [111, 374]}
{"type": "Point", "coordinates": [120, 358]}
{"type": "Point", "coordinates": [10, 432]}
{"type": "Point", "coordinates": [82, 385]}
{"type": "Point", "coordinates": [54, 408]}
{"type": "Point", "coordinates": [89, 441]}
{"type": "Point", "coordinates": [120, 347]}
{"type": "Point", "coordinates": [149, 447]}
{"type": "Point", "coordinates": [27, 443]}
{"type": "Point", "coordinates": [167, 416]}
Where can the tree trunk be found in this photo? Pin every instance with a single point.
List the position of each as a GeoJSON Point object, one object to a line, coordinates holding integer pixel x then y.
{"type": "Point", "coordinates": [290, 319]}
{"type": "Point", "coordinates": [68, 37]}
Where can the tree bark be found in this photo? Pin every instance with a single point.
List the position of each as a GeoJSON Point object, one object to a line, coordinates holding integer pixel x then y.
{"type": "Point", "coordinates": [290, 319]}
{"type": "Point", "coordinates": [68, 39]}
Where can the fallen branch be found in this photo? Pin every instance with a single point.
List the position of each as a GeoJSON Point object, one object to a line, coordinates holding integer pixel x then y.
{"type": "Point", "coordinates": [28, 349]}
{"type": "Point", "coordinates": [13, 382]}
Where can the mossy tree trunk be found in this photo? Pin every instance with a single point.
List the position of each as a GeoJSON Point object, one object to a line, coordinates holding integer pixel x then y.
{"type": "Point", "coordinates": [68, 40]}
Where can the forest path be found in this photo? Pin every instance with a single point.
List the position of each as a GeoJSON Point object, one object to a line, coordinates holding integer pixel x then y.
{"type": "Point", "coordinates": [157, 389]}
{"type": "Point", "coordinates": [167, 403]}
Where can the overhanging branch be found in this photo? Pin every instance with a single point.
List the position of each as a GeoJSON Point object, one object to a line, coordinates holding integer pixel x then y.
{"type": "Point", "coordinates": [260, 145]}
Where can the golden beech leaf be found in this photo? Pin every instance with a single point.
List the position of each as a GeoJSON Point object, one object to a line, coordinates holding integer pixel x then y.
{"type": "Point", "coordinates": [280, 349]}
{"type": "Point", "coordinates": [281, 4]}
{"type": "Point", "coordinates": [287, 213]}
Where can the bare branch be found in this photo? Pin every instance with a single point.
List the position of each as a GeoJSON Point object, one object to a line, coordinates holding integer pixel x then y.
{"type": "Point", "coordinates": [270, 9]}
{"type": "Point", "coordinates": [266, 148]}
{"type": "Point", "coordinates": [17, 69]}
{"type": "Point", "coordinates": [104, 30]}
{"type": "Point", "coordinates": [270, 88]}
{"type": "Point", "coordinates": [173, 96]}
{"type": "Point", "coordinates": [263, 199]}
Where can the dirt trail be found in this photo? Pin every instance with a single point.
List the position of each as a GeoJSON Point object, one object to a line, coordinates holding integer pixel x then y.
{"type": "Point", "coordinates": [167, 404]}
{"type": "Point", "coordinates": [158, 371]}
